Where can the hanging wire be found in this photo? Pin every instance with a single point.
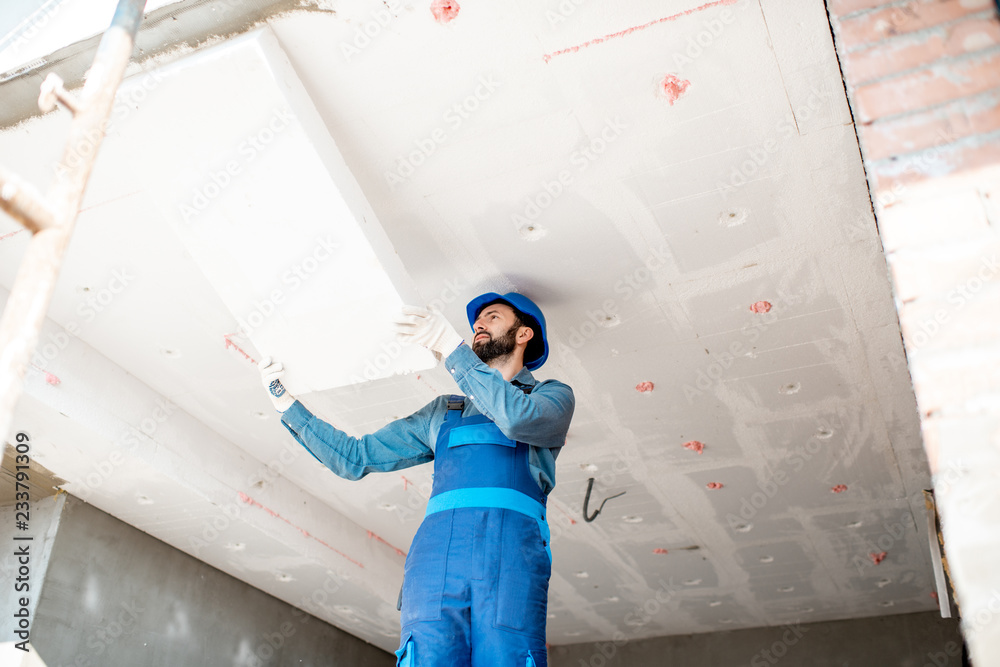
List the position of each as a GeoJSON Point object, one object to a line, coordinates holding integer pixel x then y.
{"type": "Point", "coordinates": [586, 501]}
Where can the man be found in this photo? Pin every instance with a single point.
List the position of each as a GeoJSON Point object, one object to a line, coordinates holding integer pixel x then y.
{"type": "Point", "coordinates": [475, 583]}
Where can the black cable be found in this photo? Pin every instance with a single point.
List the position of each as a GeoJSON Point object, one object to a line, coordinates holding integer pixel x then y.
{"type": "Point", "coordinates": [586, 499]}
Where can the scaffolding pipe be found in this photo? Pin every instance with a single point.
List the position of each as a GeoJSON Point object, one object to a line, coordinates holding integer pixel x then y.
{"type": "Point", "coordinates": [51, 220]}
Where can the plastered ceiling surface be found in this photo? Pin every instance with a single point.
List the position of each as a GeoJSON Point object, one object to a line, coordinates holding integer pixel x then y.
{"type": "Point", "coordinates": [677, 184]}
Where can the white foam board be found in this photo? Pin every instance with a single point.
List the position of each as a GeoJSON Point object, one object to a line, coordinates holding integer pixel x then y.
{"type": "Point", "coordinates": [264, 202]}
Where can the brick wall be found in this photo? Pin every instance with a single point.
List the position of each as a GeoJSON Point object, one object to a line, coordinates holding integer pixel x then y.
{"type": "Point", "coordinates": [923, 77]}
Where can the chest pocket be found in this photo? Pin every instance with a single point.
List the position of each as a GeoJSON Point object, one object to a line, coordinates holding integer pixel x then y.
{"type": "Point", "coordinates": [478, 434]}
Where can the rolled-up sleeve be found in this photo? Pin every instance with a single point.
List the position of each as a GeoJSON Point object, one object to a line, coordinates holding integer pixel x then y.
{"type": "Point", "coordinates": [400, 444]}
{"type": "Point", "coordinates": [540, 418]}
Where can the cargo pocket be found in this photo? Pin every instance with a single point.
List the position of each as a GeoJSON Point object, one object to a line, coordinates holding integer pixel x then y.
{"type": "Point", "coordinates": [406, 655]}
{"type": "Point", "coordinates": [424, 571]}
{"type": "Point", "coordinates": [523, 576]}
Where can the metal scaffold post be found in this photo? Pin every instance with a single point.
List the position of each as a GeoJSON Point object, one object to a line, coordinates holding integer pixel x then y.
{"type": "Point", "coordinates": [51, 219]}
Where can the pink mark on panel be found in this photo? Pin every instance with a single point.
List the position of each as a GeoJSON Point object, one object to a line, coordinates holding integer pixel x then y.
{"type": "Point", "coordinates": [644, 387]}
{"type": "Point", "coordinates": [8, 235]}
{"type": "Point", "coordinates": [714, 485]}
{"type": "Point", "coordinates": [695, 446]}
{"type": "Point", "coordinates": [629, 31]}
{"type": "Point", "coordinates": [572, 521]}
{"type": "Point", "coordinates": [659, 551]}
{"type": "Point", "coordinates": [231, 344]}
{"type": "Point", "coordinates": [49, 377]}
{"type": "Point", "coordinates": [877, 558]}
{"type": "Point", "coordinates": [444, 10]}
{"type": "Point", "coordinates": [244, 498]}
{"type": "Point", "coordinates": [373, 536]}
{"type": "Point", "coordinates": [673, 88]}
{"type": "Point", "coordinates": [761, 307]}
{"type": "Point", "coordinates": [840, 488]}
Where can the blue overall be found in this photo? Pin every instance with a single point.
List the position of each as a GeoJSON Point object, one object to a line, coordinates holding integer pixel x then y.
{"type": "Point", "coordinates": [475, 586]}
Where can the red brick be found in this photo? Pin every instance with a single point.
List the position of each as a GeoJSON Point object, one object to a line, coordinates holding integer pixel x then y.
{"type": "Point", "coordinates": [844, 7]}
{"type": "Point", "coordinates": [927, 87]}
{"type": "Point", "coordinates": [906, 53]}
{"type": "Point", "coordinates": [902, 19]}
{"type": "Point", "coordinates": [949, 163]}
{"type": "Point", "coordinates": [916, 132]}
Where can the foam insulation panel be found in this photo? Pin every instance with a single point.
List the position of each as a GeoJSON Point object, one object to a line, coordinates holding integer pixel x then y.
{"type": "Point", "coordinates": [755, 319]}
{"type": "Point", "coordinates": [262, 199]}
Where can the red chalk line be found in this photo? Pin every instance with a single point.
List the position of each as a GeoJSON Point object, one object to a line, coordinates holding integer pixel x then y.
{"type": "Point", "coordinates": [572, 521]}
{"type": "Point", "coordinates": [250, 501]}
{"type": "Point", "coordinates": [627, 31]}
{"type": "Point", "coordinates": [373, 536]}
{"type": "Point", "coordinates": [8, 235]}
{"type": "Point", "coordinates": [231, 344]}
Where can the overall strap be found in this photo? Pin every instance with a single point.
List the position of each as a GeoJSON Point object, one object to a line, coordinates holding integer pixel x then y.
{"type": "Point", "coordinates": [456, 403]}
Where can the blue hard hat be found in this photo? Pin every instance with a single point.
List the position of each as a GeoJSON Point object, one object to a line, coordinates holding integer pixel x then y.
{"type": "Point", "coordinates": [538, 347]}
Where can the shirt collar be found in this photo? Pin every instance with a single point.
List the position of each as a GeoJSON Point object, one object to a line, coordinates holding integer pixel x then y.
{"type": "Point", "coordinates": [523, 377]}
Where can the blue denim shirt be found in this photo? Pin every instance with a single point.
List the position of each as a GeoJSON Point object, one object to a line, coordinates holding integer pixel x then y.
{"type": "Point", "coordinates": [540, 419]}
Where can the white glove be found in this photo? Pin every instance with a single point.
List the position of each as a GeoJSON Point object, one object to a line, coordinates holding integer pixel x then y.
{"type": "Point", "coordinates": [428, 328]}
{"type": "Point", "coordinates": [271, 372]}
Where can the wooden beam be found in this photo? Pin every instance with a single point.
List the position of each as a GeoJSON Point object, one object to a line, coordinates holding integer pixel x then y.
{"type": "Point", "coordinates": [36, 277]}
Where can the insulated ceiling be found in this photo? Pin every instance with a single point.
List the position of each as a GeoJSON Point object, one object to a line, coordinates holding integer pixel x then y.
{"type": "Point", "coordinates": [677, 184]}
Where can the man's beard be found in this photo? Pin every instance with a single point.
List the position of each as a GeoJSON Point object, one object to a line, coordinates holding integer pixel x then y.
{"type": "Point", "coordinates": [495, 348]}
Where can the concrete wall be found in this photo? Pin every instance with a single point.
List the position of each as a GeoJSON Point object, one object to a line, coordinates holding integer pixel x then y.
{"type": "Point", "coordinates": [114, 596]}
{"type": "Point", "coordinates": [44, 522]}
{"type": "Point", "coordinates": [908, 640]}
